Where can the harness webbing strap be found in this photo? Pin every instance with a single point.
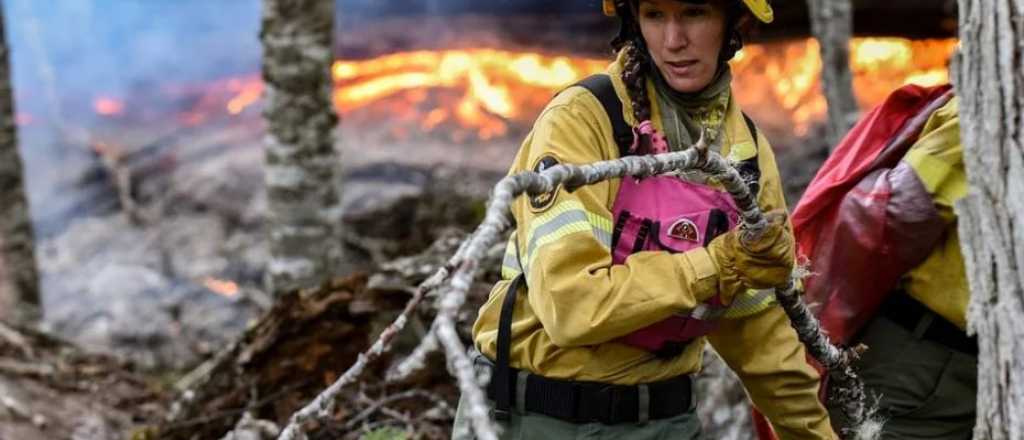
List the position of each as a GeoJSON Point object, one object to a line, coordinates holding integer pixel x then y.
{"type": "Point", "coordinates": [600, 85]}
{"type": "Point", "coordinates": [752, 127]}
{"type": "Point", "coordinates": [502, 380]}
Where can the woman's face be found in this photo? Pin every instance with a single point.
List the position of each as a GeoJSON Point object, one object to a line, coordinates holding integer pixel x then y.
{"type": "Point", "coordinates": [684, 40]}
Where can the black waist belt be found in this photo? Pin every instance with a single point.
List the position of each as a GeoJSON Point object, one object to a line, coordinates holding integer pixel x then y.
{"type": "Point", "coordinates": [585, 402]}
{"type": "Point", "coordinates": [578, 402]}
{"type": "Point", "coordinates": [907, 312]}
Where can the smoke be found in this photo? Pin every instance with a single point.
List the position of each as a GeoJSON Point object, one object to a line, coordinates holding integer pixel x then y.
{"type": "Point", "coordinates": [371, 8]}
{"type": "Point", "coordinates": [66, 53]}
{"type": "Point", "coordinates": [143, 61]}
{"type": "Point", "coordinates": [84, 48]}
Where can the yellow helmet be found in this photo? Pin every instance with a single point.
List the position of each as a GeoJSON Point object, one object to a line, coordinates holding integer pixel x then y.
{"type": "Point", "coordinates": [760, 8]}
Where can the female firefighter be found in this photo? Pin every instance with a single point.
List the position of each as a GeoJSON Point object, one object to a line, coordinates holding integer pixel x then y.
{"type": "Point", "coordinates": [609, 292]}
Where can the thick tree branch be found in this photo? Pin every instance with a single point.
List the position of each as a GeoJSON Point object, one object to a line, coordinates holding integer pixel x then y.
{"type": "Point", "coordinates": [463, 267]}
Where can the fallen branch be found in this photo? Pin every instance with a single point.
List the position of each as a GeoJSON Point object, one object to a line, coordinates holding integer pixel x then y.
{"type": "Point", "coordinates": [26, 369]}
{"type": "Point", "coordinates": [20, 410]}
{"type": "Point", "coordinates": [463, 267]}
{"type": "Point", "coordinates": [465, 263]}
{"type": "Point", "coordinates": [845, 388]}
{"type": "Point", "coordinates": [376, 405]}
{"type": "Point", "coordinates": [14, 337]}
{"type": "Point", "coordinates": [250, 428]}
{"type": "Point", "coordinates": [417, 360]}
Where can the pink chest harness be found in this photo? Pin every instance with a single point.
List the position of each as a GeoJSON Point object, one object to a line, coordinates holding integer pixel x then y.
{"type": "Point", "coordinates": [664, 213]}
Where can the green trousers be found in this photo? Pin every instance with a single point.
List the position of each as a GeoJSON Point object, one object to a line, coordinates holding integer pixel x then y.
{"type": "Point", "coordinates": [927, 391]}
{"type": "Point", "coordinates": [523, 425]}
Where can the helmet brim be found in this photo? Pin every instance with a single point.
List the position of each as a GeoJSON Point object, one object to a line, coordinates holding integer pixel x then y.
{"type": "Point", "coordinates": [759, 8]}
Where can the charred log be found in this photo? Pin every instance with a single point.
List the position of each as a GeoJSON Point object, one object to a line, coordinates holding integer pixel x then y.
{"type": "Point", "coordinates": [307, 340]}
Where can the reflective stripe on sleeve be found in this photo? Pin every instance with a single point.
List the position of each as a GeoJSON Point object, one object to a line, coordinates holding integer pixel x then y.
{"type": "Point", "coordinates": [565, 218]}
{"type": "Point", "coordinates": [751, 302]}
{"type": "Point", "coordinates": [510, 266]}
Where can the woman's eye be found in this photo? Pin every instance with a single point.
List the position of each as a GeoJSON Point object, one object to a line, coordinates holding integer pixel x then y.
{"type": "Point", "coordinates": [695, 12]}
{"type": "Point", "coordinates": [652, 14]}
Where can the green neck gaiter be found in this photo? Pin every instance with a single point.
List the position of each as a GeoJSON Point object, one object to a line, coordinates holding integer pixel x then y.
{"type": "Point", "coordinates": [683, 115]}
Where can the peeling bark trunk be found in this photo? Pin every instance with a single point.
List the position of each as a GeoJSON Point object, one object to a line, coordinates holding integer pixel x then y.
{"type": "Point", "coordinates": [832, 26]}
{"type": "Point", "coordinates": [301, 163]}
{"type": "Point", "coordinates": [19, 278]}
{"type": "Point", "coordinates": [991, 88]}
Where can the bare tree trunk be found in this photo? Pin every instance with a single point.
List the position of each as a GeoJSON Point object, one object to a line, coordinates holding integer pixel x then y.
{"type": "Point", "coordinates": [991, 88]}
{"type": "Point", "coordinates": [832, 25]}
{"type": "Point", "coordinates": [301, 163]}
{"type": "Point", "coordinates": [19, 278]}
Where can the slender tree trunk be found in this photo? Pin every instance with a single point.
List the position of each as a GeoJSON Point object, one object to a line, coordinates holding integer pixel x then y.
{"type": "Point", "coordinates": [832, 25]}
{"type": "Point", "coordinates": [301, 163]}
{"type": "Point", "coordinates": [990, 83]}
{"type": "Point", "coordinates": [19, 278]}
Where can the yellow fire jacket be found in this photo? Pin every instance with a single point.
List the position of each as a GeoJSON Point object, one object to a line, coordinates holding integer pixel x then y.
{"type": "Point", "coordinates": [577, 303]}
{"type": "Point", "coordinates": [940, 282]}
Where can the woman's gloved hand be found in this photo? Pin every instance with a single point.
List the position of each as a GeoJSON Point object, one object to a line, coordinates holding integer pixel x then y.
{"type": "Point", "coordinates": [763, 263]}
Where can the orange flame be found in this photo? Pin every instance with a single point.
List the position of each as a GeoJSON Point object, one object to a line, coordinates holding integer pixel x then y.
{"type": "Point", "coordinates": [226, 288]}
{"type": "Point", "coordinates": [480, 93]}
{"type": "Point", "coordinates": [108, 106]}
{"type": "Point", "coordinates": [249, 91]}
{"type": "Point", "coordinates": [496, 86]}
{"type": "Point", "coordinates": [787, 75]}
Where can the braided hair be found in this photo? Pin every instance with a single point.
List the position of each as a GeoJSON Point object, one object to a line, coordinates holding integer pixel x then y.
{"type": "Point", "coordinates": [634, 76]}
{"type": "Point", "coordinates": [636, 66]}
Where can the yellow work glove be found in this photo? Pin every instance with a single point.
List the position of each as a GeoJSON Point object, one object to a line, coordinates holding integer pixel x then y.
{"type": "Point", "coordinates": [766, 262]}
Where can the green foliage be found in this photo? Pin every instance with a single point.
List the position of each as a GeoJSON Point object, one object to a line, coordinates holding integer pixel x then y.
{"type": "Point", "coordinates": [386, 433]}
{"type": "Point", "coordinates": [144, 433]}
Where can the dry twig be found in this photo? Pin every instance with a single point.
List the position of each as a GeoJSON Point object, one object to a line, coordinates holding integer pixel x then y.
{"type": "Point", "coordinates": [417, 360]}
{"type": "Point", "coordinates": [13, 337]}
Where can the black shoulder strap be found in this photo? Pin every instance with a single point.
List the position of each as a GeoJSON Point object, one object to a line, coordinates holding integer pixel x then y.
{"type": "Point", "coordinates": [600, 85]}
{"type": "Point", "coordinates": [501, 382]}
{"type": "Point", "coordinates": [752, 127]}
{"type": "Point", "coordinates": [750, 169]}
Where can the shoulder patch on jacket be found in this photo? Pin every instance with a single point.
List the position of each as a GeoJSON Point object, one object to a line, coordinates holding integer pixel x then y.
{"type": "Point", "coordinates": [541, 202]}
